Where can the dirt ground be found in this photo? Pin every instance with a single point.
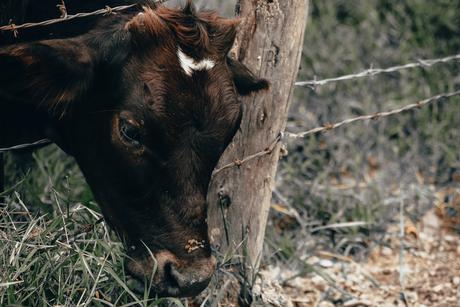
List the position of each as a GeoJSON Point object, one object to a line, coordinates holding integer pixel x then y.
{"type": "Point", "coordinates": [419, 268]}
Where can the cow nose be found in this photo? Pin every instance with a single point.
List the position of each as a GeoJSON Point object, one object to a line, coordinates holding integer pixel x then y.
{"type": "Point", "coordinates": [172, 276]}
{"type": "Point", "coordinates": [191, 279]}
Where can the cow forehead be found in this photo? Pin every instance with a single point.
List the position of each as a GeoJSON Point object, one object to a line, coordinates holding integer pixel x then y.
{"type": "Point", "coordinates": [189, 64]}
{"type": "Point", "coordinates": [199, 34]}
{"type": "Point", "coordinates": [181, 86]}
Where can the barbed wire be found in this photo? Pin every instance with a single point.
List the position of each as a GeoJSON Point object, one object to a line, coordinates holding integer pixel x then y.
{"type": "Point", "coordinates": [107, 10]}
{"type": "Point", "coordinates": [238, 162]}
{"type": "Point", "coordinates": [65, 17]}
{"type": "Point", "coordinates": [283, 135]}
{"type": "Point", "coordinates": [377, 71]}
{"type": "Point", "coordinates": [26, 146]}
{"type": "Point", "coordinates": [377, 115]}
{"type": "Point", "coordinates": [328, 127]}
{"type": "Point", "coordinates": [312, 83]}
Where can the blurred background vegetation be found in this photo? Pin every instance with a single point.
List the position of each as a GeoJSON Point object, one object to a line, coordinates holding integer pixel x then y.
{"type": "Point", "coordinates": [358, 173]}
{"type": "Point", "coordinates": [363, 171]}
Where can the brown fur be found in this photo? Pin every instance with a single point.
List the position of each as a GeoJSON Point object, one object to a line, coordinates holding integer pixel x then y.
{"type": "Point", "coordinates": [199, 34]}
{"type": "Point", "coordinates": [145, 134]}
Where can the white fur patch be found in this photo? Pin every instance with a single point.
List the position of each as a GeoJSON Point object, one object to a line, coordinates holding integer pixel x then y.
{"type": "Point", "coordinates": [189, 64]}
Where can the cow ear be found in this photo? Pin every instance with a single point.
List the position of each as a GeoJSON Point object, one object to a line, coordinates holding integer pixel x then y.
{"type": "Point", "coordinates": [50, 74]}
{"type": "Point", "coordinates": [245, 81]}
{"type": "Point", "coordinates": [147, 27]}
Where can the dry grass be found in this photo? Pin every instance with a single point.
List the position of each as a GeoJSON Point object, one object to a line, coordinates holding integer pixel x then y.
{"type": "Point", "coordinates": [337, 193]}
{"type": "Point", "coordinates": [65, 258]}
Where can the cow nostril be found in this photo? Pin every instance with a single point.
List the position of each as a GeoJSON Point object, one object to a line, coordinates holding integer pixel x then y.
{"type": "Point", "coordinates": [170, 277]}
{"type": "Point", "coordinates": [188, 282]}
{"type": "Point", "coordinates": [178, 278]}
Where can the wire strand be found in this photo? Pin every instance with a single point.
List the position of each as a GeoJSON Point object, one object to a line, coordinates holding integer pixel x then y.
{"type": "Point", "coordinates": [377, 71]}
{"type": "Point", "coordinates": [328, 127]}
{"type": "Point", "coordinates": [43, 142]}
{"type": "Point", "coordinates": [65, 17]}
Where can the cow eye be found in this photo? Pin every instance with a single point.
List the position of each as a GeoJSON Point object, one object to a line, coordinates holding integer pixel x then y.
{"type": "Point", "coordinates": [130, 133]}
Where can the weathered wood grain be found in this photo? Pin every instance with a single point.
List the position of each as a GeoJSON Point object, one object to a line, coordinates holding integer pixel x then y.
{"type": "Point", "coordinates": [269, 42]}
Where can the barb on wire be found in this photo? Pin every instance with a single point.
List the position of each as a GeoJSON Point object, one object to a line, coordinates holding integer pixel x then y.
{"type": "Point", "coordinates": [238, 162]}
{"type": "Point", "coordinates": [14, 27]}
{"type": "Point", "coordinates": [65, 17]}
{"type": "Point", "coordinates": [62, 9]}
{"type": "Point", "coordinates": [377, 115]}
{"type": "Point", "coordinates": [377, 71]}
{"type": "Point", "coordinates": [26, 146]}
{"type": "Point", "coordinates": [328, 127]}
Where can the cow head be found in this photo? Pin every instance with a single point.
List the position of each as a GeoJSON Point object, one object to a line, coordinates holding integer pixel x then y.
{"type": "Point", "coordinates": [146, 104]}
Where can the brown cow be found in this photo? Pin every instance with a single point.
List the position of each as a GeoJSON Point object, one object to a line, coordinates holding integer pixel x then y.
{"type": "Point", "coordinates": [146, 103]}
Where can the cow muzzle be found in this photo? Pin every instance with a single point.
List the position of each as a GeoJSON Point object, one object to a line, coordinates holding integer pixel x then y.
{"type": "Point", "coordinates": [172, 277]}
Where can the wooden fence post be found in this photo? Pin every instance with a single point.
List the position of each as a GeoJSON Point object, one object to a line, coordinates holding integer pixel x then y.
{"type": "Point", "coordinates": [269, 42]}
